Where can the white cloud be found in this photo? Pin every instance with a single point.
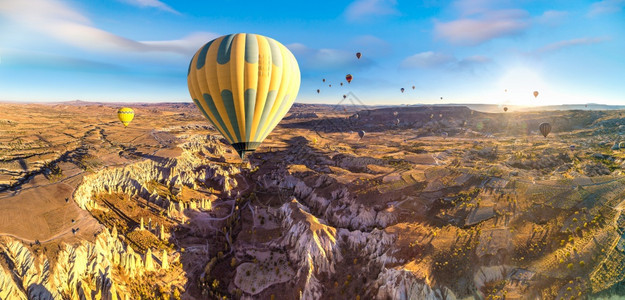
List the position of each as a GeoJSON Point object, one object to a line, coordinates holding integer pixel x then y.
{"type": "Point", "coordinates": [431, 60]}
{"type": "Point", "coordinates": [63, 23]}
{"type": "Point", "coordinates": [153, 4]}
{"type": "Point", "coordinates": [568, 43]}
{"type": "Point", "coordinates": [363, 9]}
{"type": "Point", "coordinates": [485, 26]}
{"type": "Point", "coordinates": [327, 59]}
{"type": "Point", "coordinates": [551, 17]}
{"type": "Point", "coordinates": [606, 7]}
{"type": "Point", "coordinates": [472, 62]}
{"type": "Point", "coordinates": [427, 59]}
{"type": "Point", "coordinates": [371, 45]}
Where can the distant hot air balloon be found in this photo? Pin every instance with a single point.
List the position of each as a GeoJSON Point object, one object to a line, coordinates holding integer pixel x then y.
{"type": "Point", "coordinates": [318, 91]}
{"type": "Point", "coordinates": [413, 87]}
{"type": "Point", "coordinates": [535, 94]}
{"type": "Point", "coordinates": [361, 133]}
{"type": "Point", "coordinates": [358, 55]}
{"type": "Point", "coordinates": [506, 90]}
{"type": "Point", "coordinates": [230, 83]}
{"type": "Point", "coordinates": [329, 85]}
{"type": "Point", "coordinates": [402, 90]}
{"type": "Point", "coordinates": [341, 84]}
{"type": "Point", "coordinates": [505, 108]}
{"type": "Point", "coordinates": [441, 98]}
{"type": "Point", "coordinates": [324, 80]}
{"type": "Point", "coordinates": [344, 96]}
{"type": "Point", "coordinates": [349, 78]}
{"type": "Point", "coordinates": [125, 115]}
{"type": "Point", "coordinates": [544, 128]}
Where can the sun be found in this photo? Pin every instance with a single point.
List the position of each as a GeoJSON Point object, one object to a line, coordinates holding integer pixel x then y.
{"type": "Point", "coordinates": [518, 85]}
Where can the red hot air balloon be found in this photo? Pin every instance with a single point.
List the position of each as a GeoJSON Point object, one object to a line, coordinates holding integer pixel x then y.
{"type": "Point", "coordinates": [358, 55]}
{"type": "Point", "coordinates": [349, 77]}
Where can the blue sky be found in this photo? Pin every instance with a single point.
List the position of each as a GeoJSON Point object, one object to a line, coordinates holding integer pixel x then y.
{"type": "Point", "coordinates": [467, 51]}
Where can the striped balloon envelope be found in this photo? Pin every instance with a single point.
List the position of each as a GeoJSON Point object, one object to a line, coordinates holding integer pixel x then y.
{"type": "Point", "coordinates": [244, 84]}
{"type": "Point", "coordinates": [125, 115]}
{"type": "Point", "coordinates": [545, 129]}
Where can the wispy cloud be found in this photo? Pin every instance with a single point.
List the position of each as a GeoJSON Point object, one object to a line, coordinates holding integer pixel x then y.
{"type": "Point", "coordinates": [63, 23]}
{"type": "Point", "coordinates": [151, 4]}
{"type": "Point", "coordinates": [433, 60]}
{"type": "Point", "coordinates": [568, 43]}
{"type": "Point", "coordinates": [479, 21]}
{"type": "Point", "coordinates": [363, 9]}
{"type": "Point", "coordinates": [47, 61]}
{"type": "Point", "coordinates": [551, 17]}
{"type": "Point", "coordinates": [606, 7]}
{"type": "Point", "coordinates": [371, 45]}
{"type": "Point", "coordinates": [484, 27]}
{"type": "Point", "coordinates": [326, 59]}
{"type": "Point", "coordinates": [427, 59]}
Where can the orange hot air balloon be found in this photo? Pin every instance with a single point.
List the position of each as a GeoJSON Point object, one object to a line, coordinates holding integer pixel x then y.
{"type": "Point", "coordinates": [535, 94]}
{"type": "Point", "coordinates": [358, 55]}
{"type": "Point", "coordinates": [349, 78]}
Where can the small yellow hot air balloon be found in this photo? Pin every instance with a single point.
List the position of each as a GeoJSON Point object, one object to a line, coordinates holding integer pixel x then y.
{"type": "Point", "coordinates": [125, 115]}
{"type": "Point", "coordinates": [244, 84]}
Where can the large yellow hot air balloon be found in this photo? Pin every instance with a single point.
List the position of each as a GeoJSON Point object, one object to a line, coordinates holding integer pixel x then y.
{"type": "Point", "coordinates": [244, 84]}
{"type": "Point", "coordinates": [125, 115]}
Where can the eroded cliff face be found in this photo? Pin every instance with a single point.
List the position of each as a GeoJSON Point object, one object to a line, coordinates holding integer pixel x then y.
{"type": "Point", "coordinates": [105, 269]}
{"type": "Point", "coordinates": [189, 170]}
{"type": "Point", "coordinates": [317, 250]}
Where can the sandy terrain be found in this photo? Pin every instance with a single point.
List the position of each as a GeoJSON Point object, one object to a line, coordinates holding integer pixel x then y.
{"type": "Point", "coordinates": [447, 203]}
